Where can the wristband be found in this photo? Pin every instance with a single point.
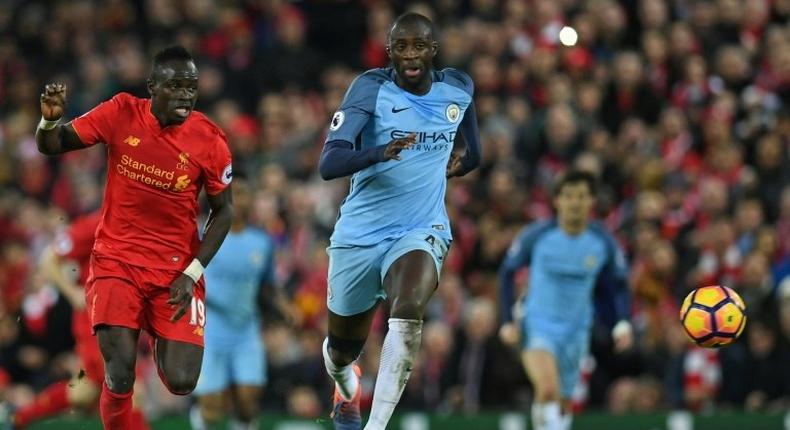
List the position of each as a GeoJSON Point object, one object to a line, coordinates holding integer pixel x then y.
{"type": "Point", "coordinates": [194, 270]}
{"type": "Point", "coordinates": [621, 328]}
{"type": "Point", "coordinates": [46, 124]}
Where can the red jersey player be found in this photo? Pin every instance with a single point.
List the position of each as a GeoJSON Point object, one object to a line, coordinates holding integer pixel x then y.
{"type": "Point", "coordinates": [147, 263]}
{"type": "Point", "coordinates": [74, 245]}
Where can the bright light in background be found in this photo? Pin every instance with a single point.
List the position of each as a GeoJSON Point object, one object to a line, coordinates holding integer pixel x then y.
{"type": "Point", "coordinates": [568, 36]}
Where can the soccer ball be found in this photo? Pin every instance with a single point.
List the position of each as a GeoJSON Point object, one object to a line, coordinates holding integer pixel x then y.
{"type": "Point", "coordinates": [713, 316]}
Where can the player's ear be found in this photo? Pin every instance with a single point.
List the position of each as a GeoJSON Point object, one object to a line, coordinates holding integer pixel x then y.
{"type": "Point", "coordinates": [434, 48]}
{"type": "Point", "coordinates": [149, 83]}
{"type": "Point", "coordinates": [389, 51]}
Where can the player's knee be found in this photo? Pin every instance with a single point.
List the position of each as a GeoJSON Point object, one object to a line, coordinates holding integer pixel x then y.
{"type": "Point", "coordinates": [180, 381]}
{"type": "Point", "coordinates": [344, 351]}
{"type": "Point", "coordinates": [247, 410]}
{"type": "Point", "coordinates": [211, 413]}
{"type": "Point", "coordinates": [119, 381]}
{"type": "Point", "coordinates": [547, 393]}
{"type": "Point", "coordinates": [412, 309]}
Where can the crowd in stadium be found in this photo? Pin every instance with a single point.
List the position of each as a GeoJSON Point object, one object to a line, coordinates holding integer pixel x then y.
{"type": "Point", "coordinates": [681, 108]}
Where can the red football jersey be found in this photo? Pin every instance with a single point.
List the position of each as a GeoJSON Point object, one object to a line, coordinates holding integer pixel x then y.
{"type": "Point", "coordinates": [76, 242]}
{"type": "Point", "coordinates": [154, 176]}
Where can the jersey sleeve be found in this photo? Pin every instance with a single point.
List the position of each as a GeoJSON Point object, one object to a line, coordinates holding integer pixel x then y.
{"type": "Point", "coordinates": [219, 173]}
{"type": "Point", "coordinates": [96, 125]}
{"type": "Point", "coordinates": [613, 301]}
{"type": "Point", "coordinates": [357, 108]}
{"type": "Point", "coordinates": [459, 79]}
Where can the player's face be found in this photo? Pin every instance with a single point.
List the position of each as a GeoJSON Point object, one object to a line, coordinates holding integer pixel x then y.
{"type": "Point", "coordinates": [411, 49]}
{"type": "Point", "coordinates": [574, 203]}
{"type": "Point", "coordinates": [174, 91]}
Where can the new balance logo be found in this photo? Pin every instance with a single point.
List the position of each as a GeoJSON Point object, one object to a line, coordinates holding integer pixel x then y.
{"type": "Point", "coordinates": [394, 110]}
{"type": "Point", "coordinates": [132, 141]}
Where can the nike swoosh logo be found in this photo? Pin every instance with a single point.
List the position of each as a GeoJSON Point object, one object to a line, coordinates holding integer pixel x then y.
{"type": "Point", "coordinates": [399, 110]}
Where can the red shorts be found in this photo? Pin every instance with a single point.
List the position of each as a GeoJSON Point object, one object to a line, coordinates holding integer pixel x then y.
{"type": "Point", "coordinates": [120, 294]}
{"type": "Point", "coordinates": [87, 346]}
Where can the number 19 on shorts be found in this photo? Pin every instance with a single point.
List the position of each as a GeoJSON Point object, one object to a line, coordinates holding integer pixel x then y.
{"type": "Point", "coordinates": [197, 315]}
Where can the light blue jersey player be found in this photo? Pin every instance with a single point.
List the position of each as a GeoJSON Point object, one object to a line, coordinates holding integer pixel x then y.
{"type": "Point", "coordinates": [394, 134]}
{"type": "Point", "coordinates": [573, 264]}
{"type": "Point", "coordinates": [234, 357]}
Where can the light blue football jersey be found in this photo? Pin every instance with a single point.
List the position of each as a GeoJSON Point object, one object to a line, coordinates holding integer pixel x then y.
{"type": "Point", "coordinates": [389, 199]}
{"type": "Point", "coordinates": [564, 271]}
{"type": "Point", "coordinates": [233, 279]}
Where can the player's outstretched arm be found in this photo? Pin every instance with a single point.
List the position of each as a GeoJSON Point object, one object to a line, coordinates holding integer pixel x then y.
{"type": "Point", "coordinates": [53, 138]}
{"type": "Point", "coordinates": [339, 158]}
{"type": "Point", "coordinates": [217, 227]}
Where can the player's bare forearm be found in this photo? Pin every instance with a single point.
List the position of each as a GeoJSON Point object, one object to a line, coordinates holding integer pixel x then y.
{"type": "Point", "coordinates": [217, 226]}
{"type": "Point", "coordinates": [60, 139]}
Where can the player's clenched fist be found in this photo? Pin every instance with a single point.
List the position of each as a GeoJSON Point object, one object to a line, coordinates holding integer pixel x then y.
{"type": "Point", "coordinates": [396, 146]}
{"type": "Point", "coordinates": [181, 295]}
{"type": "Point", "coordinates": [53, 101]}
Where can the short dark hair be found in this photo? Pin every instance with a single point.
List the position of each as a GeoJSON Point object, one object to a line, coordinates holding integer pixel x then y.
{"type": "Point", "coordinates": [413, 19]}
{"type": "Point", "coordinates": [574, 176]}
{"type": "Point", "coordinates": [172, 53]}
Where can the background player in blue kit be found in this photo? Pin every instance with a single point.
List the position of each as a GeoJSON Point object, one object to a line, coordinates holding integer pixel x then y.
{"type": "Point", "coordinates": [394, 133]}
{"type": "Point", "coordinates": [572, 263]}
{"type": "Point", "coordinates": [234, 357]}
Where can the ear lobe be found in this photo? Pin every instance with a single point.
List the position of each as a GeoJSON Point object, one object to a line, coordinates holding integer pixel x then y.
{"type": "Point", "coordinates": [149, 83]}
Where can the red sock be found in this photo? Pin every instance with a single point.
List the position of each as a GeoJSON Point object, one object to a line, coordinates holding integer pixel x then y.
{"type": "Point", "coordinates": [115, 409]}
{"type": "Point", "coordinates": [49, 402]}
{"type": "Point", "coordinates": [138, 420]}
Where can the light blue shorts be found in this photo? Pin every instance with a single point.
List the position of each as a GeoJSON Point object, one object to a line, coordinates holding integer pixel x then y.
{"type": "Point", "coordinates": [241, 363]}
{"type": "Point", "coordinates": [568, 354]}
{"type": "Point", "coordinates": [356, 273]}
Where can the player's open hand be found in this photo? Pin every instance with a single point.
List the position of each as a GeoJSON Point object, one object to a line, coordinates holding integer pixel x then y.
{"type": "Point", "coordinates": [397, 145]}
{"type": "Point", "coordinates": [454, 166]}
{"type": "Point", "coordinates": [53, 101]}
{"type": "Point", "coordinates": [181, 296]}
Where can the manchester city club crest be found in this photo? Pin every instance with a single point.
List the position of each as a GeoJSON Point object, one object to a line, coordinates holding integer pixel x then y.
{"type": "Point", "coordinates": [452, 112]}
